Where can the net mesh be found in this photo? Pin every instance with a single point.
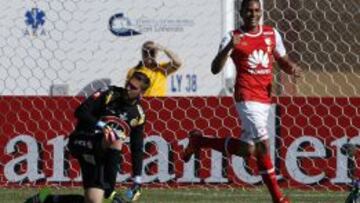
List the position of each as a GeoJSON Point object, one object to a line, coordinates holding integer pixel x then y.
{"type": "Point", "coordinates": [315, 118]}
{"type": "Point", "coordinates": [322, 37]}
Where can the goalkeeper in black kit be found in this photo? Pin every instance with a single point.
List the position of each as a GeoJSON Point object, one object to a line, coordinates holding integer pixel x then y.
{"type": "Point", "coordinates": [105, 119]}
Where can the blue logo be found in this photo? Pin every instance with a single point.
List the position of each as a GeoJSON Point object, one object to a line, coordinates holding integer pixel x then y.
{"type": "Point", "coordinates": [35, 20]}
{"type": "Point", "coordinates": [120, 25]}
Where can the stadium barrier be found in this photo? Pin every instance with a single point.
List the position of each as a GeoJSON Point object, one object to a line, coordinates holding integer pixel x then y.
{"type": "Point", "coordinates": [307, 149]}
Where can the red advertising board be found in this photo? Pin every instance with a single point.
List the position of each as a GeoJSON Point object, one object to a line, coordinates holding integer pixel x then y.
{"type": "Point", "coordinates": [313, 133]}
{"type": "Point", "coordinates": [310, 137]}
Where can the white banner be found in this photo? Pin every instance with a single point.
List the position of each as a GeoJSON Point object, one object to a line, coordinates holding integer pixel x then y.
{"type": "Point", "coordinates": [68, 47]}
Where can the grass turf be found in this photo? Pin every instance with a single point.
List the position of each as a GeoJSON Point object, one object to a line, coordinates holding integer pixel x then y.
{"type": "Point", "coordinates": [150, 195]}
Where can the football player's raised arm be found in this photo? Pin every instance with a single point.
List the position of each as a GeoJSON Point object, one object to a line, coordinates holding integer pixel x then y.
{"type": "Point", "coordinates": [225, 48]}
{"type": "Point", "coordinates": [175, 62]}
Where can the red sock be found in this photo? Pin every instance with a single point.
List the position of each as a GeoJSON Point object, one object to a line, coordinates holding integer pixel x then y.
{"type": "Point", "coordinates": [267, 171]}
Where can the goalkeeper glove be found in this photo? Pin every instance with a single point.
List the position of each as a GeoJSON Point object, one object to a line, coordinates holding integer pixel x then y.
{"type": "Point", "coordinates": [133, 193]}
{"type": "Point", "coordinates": [111, 132]}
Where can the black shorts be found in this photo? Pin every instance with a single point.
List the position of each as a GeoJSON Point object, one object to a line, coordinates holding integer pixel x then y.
{"type": "Point", "coordinates": [87, 149]}
{"type": "Point", "coordinates": [86, 143]}
{"type": "Point", "coordinates": [93, 175]}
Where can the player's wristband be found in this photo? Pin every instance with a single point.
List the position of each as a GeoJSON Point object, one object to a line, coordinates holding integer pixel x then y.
{"type": "Point", "coordinates": [101, 124]}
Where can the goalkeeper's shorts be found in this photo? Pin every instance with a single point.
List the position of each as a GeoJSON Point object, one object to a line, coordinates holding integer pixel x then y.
{"type": "Point", "coordinates": [87, 149]}
{"type": "Point", "coordinates": [86, 145]}
{"type": "Point", "coordinates": [93, 176]}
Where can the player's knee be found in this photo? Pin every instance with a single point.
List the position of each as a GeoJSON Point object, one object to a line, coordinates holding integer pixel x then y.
{"type": "Point", "coordinates": [93, 199]}
{"type": "Point", "coordinates": [94, 195]}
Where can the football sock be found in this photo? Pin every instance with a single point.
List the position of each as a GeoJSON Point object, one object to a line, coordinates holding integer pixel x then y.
{"type": "Point", "coordinates": [112, 166]}
{"type": "Point", "coordinates": [268, 175]}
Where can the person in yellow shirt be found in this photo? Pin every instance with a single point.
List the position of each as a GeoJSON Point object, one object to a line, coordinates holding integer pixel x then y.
{"type": "Point", "coordinates": [156, 71]}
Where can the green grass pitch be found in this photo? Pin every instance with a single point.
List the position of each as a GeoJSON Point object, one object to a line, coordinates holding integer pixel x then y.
{"type": "Point", "coordinates": [150, 195]}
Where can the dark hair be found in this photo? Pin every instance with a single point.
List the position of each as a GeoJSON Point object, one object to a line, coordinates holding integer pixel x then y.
{"type": "Point", "coordinates": [143, 78]}
{"type": "Point", "coordinates": [147, 43]}
{"type": "Point", "coordinates": [245, 3]}
{"type": "Point", "coordinates": [147, 50]}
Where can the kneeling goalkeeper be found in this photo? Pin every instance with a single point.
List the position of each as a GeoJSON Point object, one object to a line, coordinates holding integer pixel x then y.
{"type": "Point", "coordinates": [105, 119]}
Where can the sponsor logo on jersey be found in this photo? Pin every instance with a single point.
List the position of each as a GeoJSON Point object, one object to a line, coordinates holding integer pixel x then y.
{"type": "Point", "coordinates": [123, 116]}
{"type": "Point", "coordinates": [258, 62]}
{"type": "Point", "coordinates": [35, 20]}
{"type": "Point", "coordinates": [121, 128]}
{"type": "Point", "coordinates": [268, 41]}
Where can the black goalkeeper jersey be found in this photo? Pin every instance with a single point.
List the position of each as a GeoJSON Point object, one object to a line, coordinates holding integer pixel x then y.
{"type": "Point", "coordinates": [110, 103]}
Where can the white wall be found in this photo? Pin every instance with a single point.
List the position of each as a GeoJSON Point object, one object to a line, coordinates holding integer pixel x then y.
{"type": "Point", "coordinates": [74, 47]}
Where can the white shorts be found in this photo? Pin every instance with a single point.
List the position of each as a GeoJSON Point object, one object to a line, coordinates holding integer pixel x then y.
{"type": "Point", "coordinates": [254, 121]}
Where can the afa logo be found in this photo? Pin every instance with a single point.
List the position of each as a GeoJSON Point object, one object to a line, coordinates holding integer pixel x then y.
{"type": "Point", "coordinates": [120, 25]}
{"type": "Point", "coordinates": [35, 20]}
